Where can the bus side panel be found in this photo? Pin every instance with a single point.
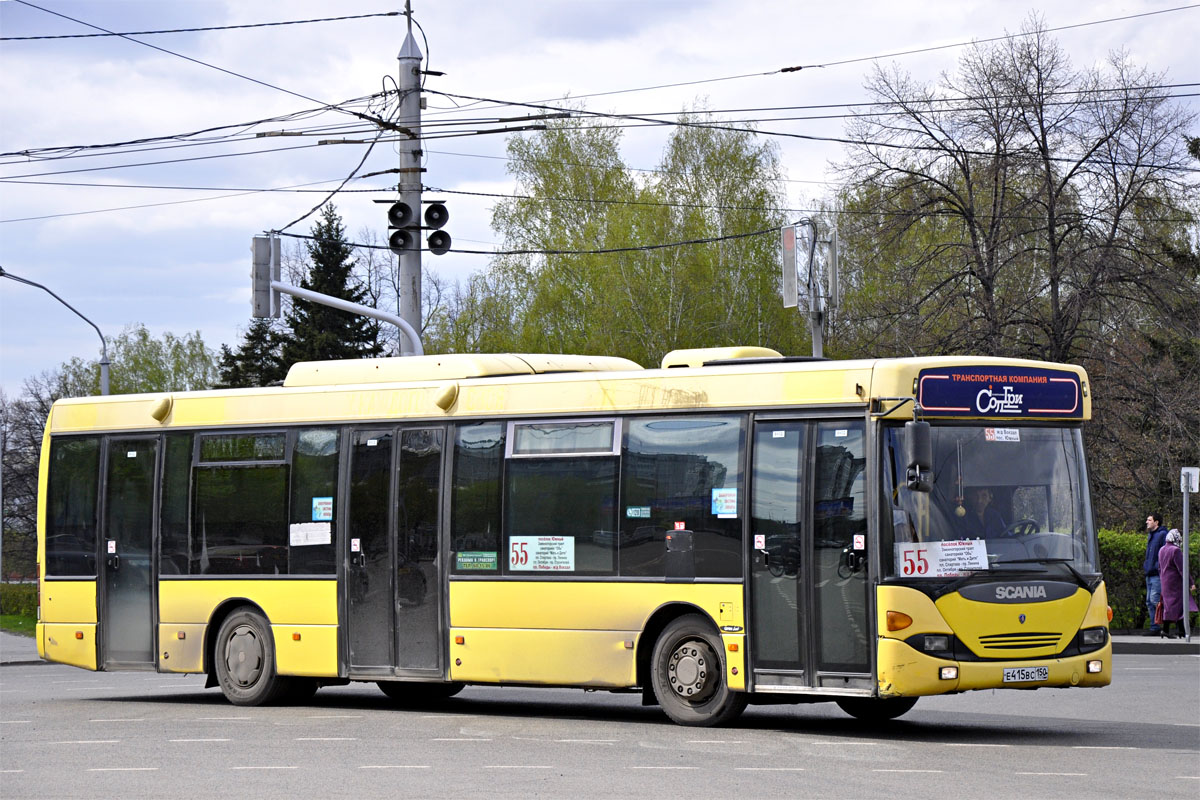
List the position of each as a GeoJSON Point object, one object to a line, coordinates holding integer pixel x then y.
{"type": "Point", "coordinates": [567, 633]}
{"type": "Point", "coordinates": [68, 608]}
{"type": "Point", "coordinates": [304, 607]}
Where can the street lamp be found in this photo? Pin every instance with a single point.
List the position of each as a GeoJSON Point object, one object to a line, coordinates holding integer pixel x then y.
{"type": "Point", "coordinates": [103, 345]}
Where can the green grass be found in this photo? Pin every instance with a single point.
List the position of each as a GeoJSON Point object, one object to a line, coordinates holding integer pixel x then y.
{"type": "Point", "coordinates": [17, 623]}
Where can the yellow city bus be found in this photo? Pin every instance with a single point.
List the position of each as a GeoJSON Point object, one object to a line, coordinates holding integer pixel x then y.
{"type": "Point", "coordinates": [735, 527]}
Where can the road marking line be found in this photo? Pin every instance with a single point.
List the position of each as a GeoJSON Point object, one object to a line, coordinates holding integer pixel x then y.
{"type": "Point", "coordinates": [88, 741]}
{"type": "Point", "coordinates": [137, 719]}
{"type": "Point", "coordinates": [588, 741]}
{"type": "Point", "coordinates": [335, 716]}
{"type": "Point", "coordinates": [770, 769]}
{"type": "Point", "coordinates": [197, 740]}
{"type": "Point", "coordinates": [123, 769]}
{"type": "Point", "coordinates": [14, 722]}
{"type": "Point", "coordinates": [664, 768]}
{"type": "Point", "coordinates": [1142, 669]}
{"type": "Point", "coordinates": [1177, 777]}
{"type": "Point", "coordinates": [326, 739]}
{"type": "Point", "coordinates": [223, 719]}
{"type": "Point", "coordinates": [715, 741]}
{"type": "Point", "coordinates": [394, 766]}
{"type": "Point", "coordinates": [460, 740]}
{"type": "Point", "coordinates": [974, 744]}
{"type": "Point", "coordinates": [1063, 774]}
{"type": "Point", "coordinates": [264, 767]}
{"type": "Point", "coordinates": [843, 744]}
{"type": "Point", "coordinates": [907, 770]}
{"type": "Point", "coordinates": [517, 766]}
{"type": "Point", "coordinates": [1102, 747]}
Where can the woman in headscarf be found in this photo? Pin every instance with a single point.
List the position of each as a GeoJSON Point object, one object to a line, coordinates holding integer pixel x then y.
{"type": "Point", "coordinates": [1170, 570]}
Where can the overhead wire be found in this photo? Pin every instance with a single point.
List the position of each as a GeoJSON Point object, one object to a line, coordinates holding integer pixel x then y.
{"type": "Point", "coordinates": [199, 30]}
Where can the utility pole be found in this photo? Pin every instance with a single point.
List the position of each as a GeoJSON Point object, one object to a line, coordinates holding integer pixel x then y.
{"type": "Point", "coordinates": [409, 85]}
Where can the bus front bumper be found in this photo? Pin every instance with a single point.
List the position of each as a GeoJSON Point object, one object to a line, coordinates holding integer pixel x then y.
{"type": "Point", "coordinates": [905, 672]}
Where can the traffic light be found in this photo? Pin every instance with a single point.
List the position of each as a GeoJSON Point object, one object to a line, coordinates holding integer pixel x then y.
{"type": "Point", "coordinates": [402, 221]}
{"type": "Point", "coordinates": [404, 226]}
{"type": "Point", "coordinates": [436, 216]}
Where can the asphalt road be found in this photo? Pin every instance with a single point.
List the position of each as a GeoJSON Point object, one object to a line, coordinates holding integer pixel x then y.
{"type": "Point", "coordinates": [70, 733]}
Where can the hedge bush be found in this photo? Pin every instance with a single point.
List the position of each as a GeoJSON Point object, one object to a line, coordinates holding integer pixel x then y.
{"type": "Point", "coordinates": [1121, 557]}
{"type": "Point", "coordinates": [18, 598]}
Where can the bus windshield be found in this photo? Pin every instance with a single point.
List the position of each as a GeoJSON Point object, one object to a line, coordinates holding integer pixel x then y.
{"type": "Point", "coordinates": [1002, 499]}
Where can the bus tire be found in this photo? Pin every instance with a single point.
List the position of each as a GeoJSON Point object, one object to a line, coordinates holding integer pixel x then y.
{"type": "Point", "coordinates": [419, 695]}
{"type": "Point", "coordinates": [687, 672]}
{"type": "Point", "coordinates": [876, 709]}
{"type": "Point", "coordinates": [244, 659]}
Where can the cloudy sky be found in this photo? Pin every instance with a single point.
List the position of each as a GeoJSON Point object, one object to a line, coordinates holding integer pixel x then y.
{"type": "Point", "coordinates": [127, 238]}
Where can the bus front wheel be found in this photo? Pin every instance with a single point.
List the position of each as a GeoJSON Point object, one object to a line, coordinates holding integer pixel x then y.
{"type": "Point", "coordinates": [245, 660]}
{"type": "Point", "coordinates": [876, 709]}
{"type": "Point", "coordinates": [688, 675]}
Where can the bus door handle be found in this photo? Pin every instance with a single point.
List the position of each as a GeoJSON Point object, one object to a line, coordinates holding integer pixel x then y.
{"type": "Point", "coordinates": [114, 561]}
{"type": "Point", "coordinates": [358, 560]}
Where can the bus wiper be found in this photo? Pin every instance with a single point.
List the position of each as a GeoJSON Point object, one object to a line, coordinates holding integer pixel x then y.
{"type": "Point", "coordinates": [1083, 580]}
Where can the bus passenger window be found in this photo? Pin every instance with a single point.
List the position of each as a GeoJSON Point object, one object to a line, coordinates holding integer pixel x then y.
{"type": "Point", "coordinates": [71, 507]}
{"type": "Point", "coordinates": [475, 499]}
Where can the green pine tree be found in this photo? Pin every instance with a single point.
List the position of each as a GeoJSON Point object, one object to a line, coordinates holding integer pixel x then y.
{"type": "Point", "coordinates": [318, 332]}
{"type": "Point", "coordinates": [256, 362]}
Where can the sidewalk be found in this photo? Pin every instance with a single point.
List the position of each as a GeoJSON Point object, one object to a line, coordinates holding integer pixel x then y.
{"type": "Point", "coordinates": [19, 650]}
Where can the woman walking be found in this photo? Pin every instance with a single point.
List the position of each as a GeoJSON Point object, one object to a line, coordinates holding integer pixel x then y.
{"type": "Point", "coordinates": [1170, 570]}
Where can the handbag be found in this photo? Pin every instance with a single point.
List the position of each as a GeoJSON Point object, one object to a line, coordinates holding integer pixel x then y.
{"type": "Point", "coordinates": [1158, 613]}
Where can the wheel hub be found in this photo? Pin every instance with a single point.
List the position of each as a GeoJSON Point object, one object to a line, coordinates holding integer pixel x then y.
{"type": "Point", "coordinates": [689, 671]}
{"type": "Point", "coordinates": [244, 656]}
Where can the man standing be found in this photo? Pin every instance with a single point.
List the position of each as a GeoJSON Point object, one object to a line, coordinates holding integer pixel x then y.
{"type": "Point", "coordinates": [1156, 537]}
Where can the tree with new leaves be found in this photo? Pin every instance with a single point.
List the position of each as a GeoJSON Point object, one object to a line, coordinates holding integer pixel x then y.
{"type": "Point", "coordinates": [1024, 207]}
{"type": "Point", "coordinates": [318, 332]}
{"type": "Point", "coordinates": [576, 196]}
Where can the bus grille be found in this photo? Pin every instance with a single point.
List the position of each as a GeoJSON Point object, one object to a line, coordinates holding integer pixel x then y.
{"type": "Point", "coordinates": [1019, 641]}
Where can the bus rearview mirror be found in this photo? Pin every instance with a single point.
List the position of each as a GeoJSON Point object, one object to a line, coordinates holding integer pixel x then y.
{"type": "Point", "coordinates": [919, 450]}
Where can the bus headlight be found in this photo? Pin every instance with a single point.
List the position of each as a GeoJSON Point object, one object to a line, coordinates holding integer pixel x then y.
{"type": "Point", "coordinates": [936, 643]}
{"type": "Point", "coordinates": [1095, 666]}
{"type": "Point", "coordinates": [1092, 637]}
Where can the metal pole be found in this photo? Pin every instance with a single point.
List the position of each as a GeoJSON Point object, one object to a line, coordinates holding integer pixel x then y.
{"type": "Point", "coordinates": [345, 305]}
{"type": "Point", "coordinates": [409, 85]}
{"type": "Point", "coordinates": [1187, 557]}
{"type": "Point", "coordinates": [103, 345]}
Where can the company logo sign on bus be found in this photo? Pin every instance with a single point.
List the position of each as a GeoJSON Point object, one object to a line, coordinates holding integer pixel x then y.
{"type": "Point", "coordinates": [999, 392]}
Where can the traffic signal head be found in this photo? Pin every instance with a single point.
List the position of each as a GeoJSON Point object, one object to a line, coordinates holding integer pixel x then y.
{"type": "Point", "coordinates": [402, 221]}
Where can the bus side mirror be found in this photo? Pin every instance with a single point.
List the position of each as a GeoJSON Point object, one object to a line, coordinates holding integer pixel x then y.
{"type": "Point", "coordinates": [920, 456]}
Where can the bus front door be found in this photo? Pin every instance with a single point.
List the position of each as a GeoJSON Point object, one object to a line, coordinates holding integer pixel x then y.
{"type": "Point", "coordinates": [808, 604]}
{"type": "Point", "coordinates": [393, 578]}
{"type": "Point", "coordinates": [127, 595]}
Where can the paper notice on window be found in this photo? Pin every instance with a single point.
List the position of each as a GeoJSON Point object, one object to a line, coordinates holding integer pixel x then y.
{"type": "Point", "coordinates": [940, 559]}
{"type": "Point", "coordinates": [541, 553]}
{"type": "Point", "coordinates": [306, 533]}
{"type": "Point", "coordinates": [1002, 434]}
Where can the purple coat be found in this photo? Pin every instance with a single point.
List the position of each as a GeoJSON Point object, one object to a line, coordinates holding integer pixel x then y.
{"type": "Point", "coordinates": [1170, 570]}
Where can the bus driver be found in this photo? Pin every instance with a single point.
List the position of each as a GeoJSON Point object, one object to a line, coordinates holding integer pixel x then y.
{"type": "Point", "coordinates": [980, 520]}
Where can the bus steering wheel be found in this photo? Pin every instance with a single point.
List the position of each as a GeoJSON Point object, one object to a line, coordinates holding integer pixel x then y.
{"type": "Point", "coordinates": [1022, 527]}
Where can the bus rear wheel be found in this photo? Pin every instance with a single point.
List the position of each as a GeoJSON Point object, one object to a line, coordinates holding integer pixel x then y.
{"type": "Point", "coordinates": [687, 673]}
{"type": "Point", "coordinates": [245, 660]}
{"type": "Point", "coordinates": [876, 709]}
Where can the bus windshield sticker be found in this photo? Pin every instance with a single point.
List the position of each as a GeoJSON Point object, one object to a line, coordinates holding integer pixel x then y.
{"type": "Point", "coordinates": [322, 509]}
{"type": "Point", "coordinates": [306, 533]}
{"type": "Point", "coordinates": [637, 512]}
{"type": "Point", "coordinates": [840, 432]}
{"type": "Point", "coordinates": [476, 559]}
{"type": "Point", "coordinates": [724, 503]}
{"type": "Point", "coordinates": [541, 553]}
{"type": "Point", "coordinates": [940, 559]}
{"type": "Point", "coordinates": [355, 546]}
{"type": "Point", "coordinates": [1002, 434]}
{"type": "Point", "coordinates": [778, 434]}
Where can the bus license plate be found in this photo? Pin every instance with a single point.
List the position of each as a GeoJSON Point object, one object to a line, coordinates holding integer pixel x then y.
{"type": "Point", "coordinates": [1025, 674]}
